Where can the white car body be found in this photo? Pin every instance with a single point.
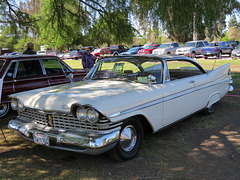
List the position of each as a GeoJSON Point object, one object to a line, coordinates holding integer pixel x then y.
{"type": "Point", "coordinates": [191, 48]}
{"type": "Point", "coordinates": [166, 48]}
{"type": "Point", "coordinates": [125, 102]}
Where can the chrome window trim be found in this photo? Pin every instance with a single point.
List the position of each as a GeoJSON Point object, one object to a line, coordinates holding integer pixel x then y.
{"type": "Point", "coordinates": [9, 65]}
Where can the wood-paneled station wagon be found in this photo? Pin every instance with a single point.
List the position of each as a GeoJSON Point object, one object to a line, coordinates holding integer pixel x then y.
{"type": "Point", "coordinates": [21, 73]}
{"type": "Point", "coordinates": [118, 100]}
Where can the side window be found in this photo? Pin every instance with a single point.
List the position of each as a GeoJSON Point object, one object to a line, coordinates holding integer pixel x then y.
{"type": "Point", "coordinates": [29, 68]}
{"type": "Point", "coordinates": [10, 72]}
{"type": "Point", "coordinates": [225, 44]}
{"type": "Point", "coordinates": [175, 45]}
{"type": "Point", "coordinates": [206, 43]}
{"type": "Point", "coordinates": [200, 44]}
{"type": "Point", "coordinates": [179, 69]}
{"type": "Point", "coordinates": [52, 66]}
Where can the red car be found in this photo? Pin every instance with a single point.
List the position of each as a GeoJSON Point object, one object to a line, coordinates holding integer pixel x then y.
{"type": "Point", "coordinates": [22, 73]}
{"type": "Point", "coordinates": [101, 52]}
{"type": "Point", "coordinates": [148, 49]}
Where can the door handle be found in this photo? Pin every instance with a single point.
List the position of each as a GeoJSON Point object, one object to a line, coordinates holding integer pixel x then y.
{"type": "Point", "coordinates": [192, 81]}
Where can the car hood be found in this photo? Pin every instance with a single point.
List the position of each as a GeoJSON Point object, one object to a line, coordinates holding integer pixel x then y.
{"type": "Point", "coordinates": [107, 96]}
{"type": "Point", "coordinates": [183, 48]}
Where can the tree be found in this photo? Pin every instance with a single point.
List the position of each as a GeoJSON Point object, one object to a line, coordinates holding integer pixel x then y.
{"type": "Point", "coordinates": [234, 29]}
{"type": "Point", "coordinates": [180, 17]}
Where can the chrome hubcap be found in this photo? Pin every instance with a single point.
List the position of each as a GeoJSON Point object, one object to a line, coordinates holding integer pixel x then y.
{"type": "Point", "coordinates": [3, 109]}
{"type": "Point", "coordinates": [128, 138]}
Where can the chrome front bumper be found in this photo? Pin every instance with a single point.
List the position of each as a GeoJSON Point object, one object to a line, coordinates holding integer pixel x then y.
{"type": "Point", "coordinates": [87, 142]}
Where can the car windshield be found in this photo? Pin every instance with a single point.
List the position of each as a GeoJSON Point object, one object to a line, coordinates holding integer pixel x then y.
{"type": "Point", "coordinates": [164, 46]}
{"type": "Point", "coordinates": [192, 44]}
{"type": "Point", "coordinates": [96, 50]}
{"type": "Point", "coordinates": [126, 69]}
{"type": "Point", "coordinates": [149, 47]}
{"type": "Point", "coordinates": [1, 63]}
{"type": "Point", "coordinates": [134, 49]}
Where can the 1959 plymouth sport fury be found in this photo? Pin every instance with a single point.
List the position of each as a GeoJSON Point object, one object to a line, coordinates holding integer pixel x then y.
{"type": "Point", "coordinates": [119, 99]}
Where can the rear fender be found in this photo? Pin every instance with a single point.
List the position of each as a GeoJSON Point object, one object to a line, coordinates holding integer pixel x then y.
{"type": "Point", "coordinates": [213, 99]}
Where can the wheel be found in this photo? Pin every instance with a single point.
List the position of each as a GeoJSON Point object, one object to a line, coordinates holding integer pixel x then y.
{"type": "Point", "coordinates": [219, 55]}
{"type": "Point", "coordinates": [205, 57]}
{"type": "Point", "coordinates": [209, 110]}
{"type": "Point", "coordinates": [4, 109]}
{"type": "Point", "coordinates": [115, 54]}
{"type": "Point", "coordinates": [168, 53]}
{"type": "Point", "coordinates": [130, 141]}
{"type": "Point", "coordinates": [193, 54]}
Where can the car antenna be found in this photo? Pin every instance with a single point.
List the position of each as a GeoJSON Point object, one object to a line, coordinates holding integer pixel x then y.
{"type": "Point", "coordinates": [214, 64]}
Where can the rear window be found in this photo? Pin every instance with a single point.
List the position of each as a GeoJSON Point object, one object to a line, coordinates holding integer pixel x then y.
{"type": "Point", "coordinates": [114, 47]}
{"type": "Point", "coordinates": [216, 44]}
{"type": "Point", "coordinates": [2, 63]}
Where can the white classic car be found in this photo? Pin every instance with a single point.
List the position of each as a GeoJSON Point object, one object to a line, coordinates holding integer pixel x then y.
{"type": "Point", "coordinates": [119, 99]}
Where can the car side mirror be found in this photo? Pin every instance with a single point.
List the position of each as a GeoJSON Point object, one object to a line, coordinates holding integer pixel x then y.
{"type": "Point", "coordinates": [151, 79]}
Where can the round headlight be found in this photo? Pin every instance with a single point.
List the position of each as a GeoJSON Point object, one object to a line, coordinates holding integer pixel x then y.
{"type": "Point", "coordinates": [20, 106]}
{"type": "Point", "coordinates": [92, 115]}
{"type": "Point", "coordinates": [14, 104]}
{"type": "Point", "coordinates": [81, 113]}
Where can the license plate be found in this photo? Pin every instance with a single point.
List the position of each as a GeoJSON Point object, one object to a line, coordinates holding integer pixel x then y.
{"type": "Point", "coordinates": [40, 138]}
{"type": "Point", "coordinates": [208, 52]}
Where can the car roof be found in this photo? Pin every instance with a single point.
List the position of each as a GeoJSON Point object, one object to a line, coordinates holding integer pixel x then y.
{"type": "Point", "coordinates": [26, 57]}
{"type": "Point", "coordinates": [156, 57]}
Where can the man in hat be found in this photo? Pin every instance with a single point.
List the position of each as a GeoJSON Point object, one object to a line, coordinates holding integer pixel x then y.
{"type": "Point", "coordinates": [88, 59]}
{"type": "Point", "coordinates": [29, 50]}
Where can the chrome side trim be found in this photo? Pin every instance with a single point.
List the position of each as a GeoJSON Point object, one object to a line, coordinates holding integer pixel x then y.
{"type": "Point", "coordinates": [164, 99]}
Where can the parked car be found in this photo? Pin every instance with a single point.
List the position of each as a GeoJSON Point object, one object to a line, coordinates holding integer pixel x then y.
{"type": "Point", "coordinates": [71, 55]}
{"type": "Point", "coordinates": [21, 73]}
{"type": "Point", "coordinates": [133, 50]}
{"type": "Point", "coordinates": [53, 53]}
{"type": "Point", "coordinates": [192, 48]}
{"type": "Point", "coordinates": [148, 49]}
{"type": "Point", "coordinates": [166, 48]}
{"type": "Point", "coordinates": [101, 52]}
{"type": "Point", "coordinates": [41, 52]}
{"type": "Point", "coordinates": [83, 49]}
{"type": "Point", "coordinates": [119, 99]}
{"type": "Point", "coordinates": [234, 44]}
{"type": "Point", "coordinates": [236, 52]}
{"type": "Point", "coordinates": [217, 48]}
{"type": "Point", "coordinates": [115, 50]}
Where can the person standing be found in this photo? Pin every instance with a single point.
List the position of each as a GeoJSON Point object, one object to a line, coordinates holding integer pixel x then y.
{"type": "Point", "coordinates": [88, 59]}
{"type": "Point", "coordinates": [29, 49]}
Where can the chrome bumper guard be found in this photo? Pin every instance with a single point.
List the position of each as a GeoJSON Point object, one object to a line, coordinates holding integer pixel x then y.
{"type": "Point", "coordinates": [86, 142]}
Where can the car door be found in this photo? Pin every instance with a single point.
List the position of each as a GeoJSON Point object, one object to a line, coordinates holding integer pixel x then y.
{"type": "Point", "coordinates": [55, 71]}
{"type": "Point", "coordinates": [7, 86]}
{"type": "Point", "coordinates": [178, 90]}
{"type": "Point", "coordinates": [29, 75]}
{"type": "Point", "coordinates": [199, 46]}
{"type": "Point", "coordinates": [228, 48]}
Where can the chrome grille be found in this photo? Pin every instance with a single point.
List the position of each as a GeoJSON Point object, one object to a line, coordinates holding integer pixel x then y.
{"type": "Point", "coordinates": [67, 121]}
